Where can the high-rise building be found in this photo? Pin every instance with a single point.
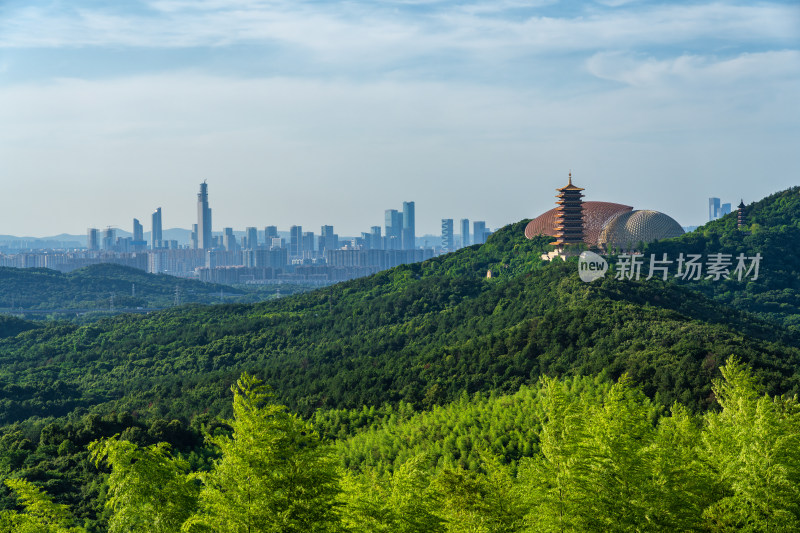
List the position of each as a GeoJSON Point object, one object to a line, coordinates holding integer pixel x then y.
{"type": "Point", "coordinates": [375, 238]}
{"type": "Point", "coordinates": [308, 243]}
{"type": "Point", "coordinates": [724, 209]}
{"type": "Point", "coordinates": [447, 235]}
{"type": "Point", "coordinates": [204, 240]}
{"type": "Point", "coordinates": [409, 236]}
{"type": "Point", "coordinates": [194, 237]}
{"type": "Point", "coordinates": [296, 241]}
{"type": "Point", "coordinates": [109, 238]}
{"type": "Point", "coordinates": [465, 232]}
{"type": "Point", "coordinates": [328, 240]}
{"type": "Point", "coordinates": [394, 229]}
{"type": "Point", "coordinates": [91, 239]}
{"type": "Point", "coordinates": [228, 239]}
{"type": "Point", "coordinates": [155, 235]}
{"type": "Point", "coordinates": [252, 238]}
{"type": "Point", "coordinates": [713, 209]}
{"type": "Point", "coordinates": [138, 231]}
{"type": "Point", "coordinates": [479, 232]}
{"type": "Point", "coordinates": [270, 232]}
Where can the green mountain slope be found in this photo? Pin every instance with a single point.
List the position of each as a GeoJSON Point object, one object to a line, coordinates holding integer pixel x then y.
{"type": "Point", "coordinates": [419, 333]}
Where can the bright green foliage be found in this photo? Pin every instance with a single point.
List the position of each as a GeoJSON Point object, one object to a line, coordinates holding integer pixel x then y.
{"type": "Point", "coordinates": [555, 484]}
{"type": "Point", "coordinates": [402, 502]}
{"type": "Point", "coordinates": [753, 450]}
{"type": "Point", "coordinates": [480, 502]}
{"type": "Point", "coordinates": [606, 464]}
{"type": "Point", "coordinates": [40, 514]}
{"type": "Point", "coordinates": [149, 491]}
{"type": "Point", "coordinates": [274, 475]}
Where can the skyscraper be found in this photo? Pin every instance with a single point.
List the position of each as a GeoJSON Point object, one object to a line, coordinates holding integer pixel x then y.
{"type": "Point", "coordinates": [479, 232]}
{"type": "Point", "coordinates": [295, 241]}
{"type": "Point", "coordinates": [91, 239]}
{"type": "Point", "coordinates": [156, 233]}
{"type": "Point", "coordinates": [465, 232]}
{"type": "Point", "coordinates": [394, 229]}
{"type": "Point", "coordinates": [138, 231]}
{"type": "Point", "coordinates": [194, 237]}
{"type": "Point", "coordinates": [252, 238]}
{"type": "Point", "coordinates": [447, 235]}
{"type": "Point", "coordinates": [409, 227]}
{"type": "Point", "coordinates": [109, 236]}
{"type": "Point", "coordinates": [328, 240]}
{"type": "Point", "coordinates": [713, 209]}
{"type": "Point", "coordinates": [203, 218]}
{"type": "Point", "coordinates": [228, 239]}
{"type": "Point", "coordinates": [375, 238]}
{"type": "Point", "coordinates": [270, 232]}
{"type": "Point", "coordinates": [308, 243]}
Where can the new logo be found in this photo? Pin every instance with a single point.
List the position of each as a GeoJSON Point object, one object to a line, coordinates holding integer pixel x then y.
{"type": "Point", "coordinates": [591, 266]}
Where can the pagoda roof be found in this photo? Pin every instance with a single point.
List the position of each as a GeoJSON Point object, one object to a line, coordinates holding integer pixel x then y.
{"type": "Point", "coordinates": [570, 186]}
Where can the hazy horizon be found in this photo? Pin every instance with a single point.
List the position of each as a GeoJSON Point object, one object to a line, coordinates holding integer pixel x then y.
{"type": "Point", "coordinates": [315, 112]}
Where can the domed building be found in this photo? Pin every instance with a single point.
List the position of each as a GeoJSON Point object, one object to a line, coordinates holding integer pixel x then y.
{"type": "Point", "coordinates": [605, 225]}
{"type": "Point", "coordinates": [626, 231]}
{"type": "Point", "coordinates": [595, 217]}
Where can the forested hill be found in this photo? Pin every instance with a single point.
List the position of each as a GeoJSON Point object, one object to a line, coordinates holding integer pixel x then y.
{"type": "Point", "coordinates": [772, 229]}
{"type": "Point", "coordinates": [103, 287]}
{"type": "Point", "coordinates": [421, 333]}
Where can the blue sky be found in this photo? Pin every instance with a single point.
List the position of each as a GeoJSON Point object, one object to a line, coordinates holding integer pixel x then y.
{"type": "Point", "coordinates": [316, 112]}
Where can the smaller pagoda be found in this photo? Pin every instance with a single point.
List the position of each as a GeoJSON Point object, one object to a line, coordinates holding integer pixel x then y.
{"type": "Point", "coordinates": [569, 215]}
{"type": "Point", "coordinates": [740, 215]}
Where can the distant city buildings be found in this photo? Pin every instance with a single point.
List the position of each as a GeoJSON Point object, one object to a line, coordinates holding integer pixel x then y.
{"type": "Point", "coordinates": [234, 256]}
{"type": "Point", "coordinates": [716, 209]}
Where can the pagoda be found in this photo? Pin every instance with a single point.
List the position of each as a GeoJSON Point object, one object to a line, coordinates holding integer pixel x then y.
{"type": "Point", "coordinates": [569, 215]}
{"type": "Point", "coordinates": [740, 215]}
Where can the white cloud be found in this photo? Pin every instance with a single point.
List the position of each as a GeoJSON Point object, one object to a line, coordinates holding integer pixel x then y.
{"type": "Point", "coordinates": [330, 27]}
{"type": "Point", "coordinates": [692, 69]}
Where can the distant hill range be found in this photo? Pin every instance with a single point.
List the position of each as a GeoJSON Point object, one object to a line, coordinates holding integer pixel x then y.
{"type": "Point", "coordinates": [108, 287]}
{"type": "Point", "coordinates": [66, 240]}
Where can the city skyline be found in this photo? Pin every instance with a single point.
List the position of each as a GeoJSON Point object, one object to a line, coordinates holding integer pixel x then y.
{"type": "Point", "coordinates": [306, 112]}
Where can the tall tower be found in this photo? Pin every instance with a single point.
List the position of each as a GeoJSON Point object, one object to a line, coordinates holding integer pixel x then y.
{"type": "Point", "coordinates": [91, 239]}
{"type": "Point", "coordinates": [447, 235]}
{"type": "Point", "coordinates": [296, 241]}
{"type": "Point", "coordinates": [479, 232]}
{"type": "Point", "coordinates": [155, 235]}
{"type": "Point", "coordinates": [465, 232]}
{"type": "Point", "coordinates": [569, 215]}
{"type": "Point", "coordinates": [394, 229]}
{"type": "Point", "coordinates": [713, 209]}
{"type": "Point", "coordinates": [203, 219]}
{"type": "Point", "coordinates": [252, 237]}
{"type": "Point", "coordinates": [138, 231]}
{"type": "Point", "coordinates": [740, 215]}
{"type": "Point", "coordinates": [409, 234]}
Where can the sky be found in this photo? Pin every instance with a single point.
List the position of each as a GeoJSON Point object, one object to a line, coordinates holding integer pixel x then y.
{"type": "Point", "coordinates": [313, 112]}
